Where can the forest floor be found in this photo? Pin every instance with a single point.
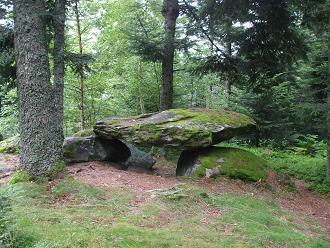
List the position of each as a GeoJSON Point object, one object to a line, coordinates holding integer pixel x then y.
{"type": "Point", "coordinates": [98, 205]}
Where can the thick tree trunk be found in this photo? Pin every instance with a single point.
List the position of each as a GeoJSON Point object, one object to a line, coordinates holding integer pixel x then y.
{"type": "Point", "coordinates": [328, 108]}
{"type": "Point", "coordinates": [40, 148]}
{"type": "Point", "coordinates": [59, 45]}
{"type": "Point", "coordinates": [170, 12]}
{"type": "Point", "coordinates": [81, 72]}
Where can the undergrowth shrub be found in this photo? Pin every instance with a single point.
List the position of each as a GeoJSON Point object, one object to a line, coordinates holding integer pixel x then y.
{"type": "Point", "coordinates": [20, 177]}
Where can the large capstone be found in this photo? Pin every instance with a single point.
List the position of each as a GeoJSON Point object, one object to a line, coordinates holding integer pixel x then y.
{"type": "Point", "coordinates": [84, 149]}
{"type": "Point", "coordinates": [214, 161]}
{"type": "Point", "coordinates": [177, 128]}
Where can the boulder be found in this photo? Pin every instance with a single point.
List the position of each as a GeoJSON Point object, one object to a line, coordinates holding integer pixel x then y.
{"type": "Point", "coordinates": [10, 145]}
{"type": "Point", "coordinates": [182, 129]}
{"type": "Point", "coordinates": [139, 158]}
{"type": "Point", "coordinates": [83, 149]}
{"type": "Point", "coordinates": [215, 161]}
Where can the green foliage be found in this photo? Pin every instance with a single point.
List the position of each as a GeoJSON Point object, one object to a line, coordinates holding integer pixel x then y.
{"type": "Point", "coordinates": [10, 145]}
{"type": "Point", "coordinates": [5, 233]}
{"type": "Point", "coordinates": [310, 169]}
{"type": "Point", "coordinates": [20, 176]}
{"type": "Point", "coordinates": [309, 145]}
{"type": "Point", "coordinates": [9, 113]}
{"type": "Point", "coordinates": [84, 133]}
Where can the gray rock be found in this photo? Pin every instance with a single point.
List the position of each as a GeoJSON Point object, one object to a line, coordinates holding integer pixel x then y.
{"type": "Point", "coordinates": [182, 129]}
{"type": "Point", "coordinates": [84, 149]}
{"type": "Point", "coordinates": [220, 160]}
{"type": "Point", "coordinates": [212, 173]}
{"type": "Point", "coordinates": [139, 158]}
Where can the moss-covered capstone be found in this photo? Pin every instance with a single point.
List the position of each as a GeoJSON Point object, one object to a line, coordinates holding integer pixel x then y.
{"type": "Point", "coordinates": [178, 128]}
{"type": "Point", "coordinates": [231, 162]}
{"type": "Point", "coordinates": [10, 145]}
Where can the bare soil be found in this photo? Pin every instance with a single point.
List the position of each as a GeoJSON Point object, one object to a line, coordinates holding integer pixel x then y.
{"type": "Point", "coordinates": [8, 165]}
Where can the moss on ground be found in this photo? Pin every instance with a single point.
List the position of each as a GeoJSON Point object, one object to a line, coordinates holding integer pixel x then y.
{"type": "Point", "coordinates": [237, 163]}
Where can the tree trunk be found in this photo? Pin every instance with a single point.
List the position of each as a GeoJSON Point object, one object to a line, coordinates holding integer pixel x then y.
{"type": "Point", "coordinates": [40, 147]}
{"type": "Point", "coordinates": [140, 87]}
{"type": "Point", "coordinates": [228, 83]}
{"type": "Point", "coordinates": [328, 108]}
{"type": "Point", "coordinates": [81, 72]}
{"type": "Point", "coordinates": [59, 45]}
{"type": "Point", "coordinates": [170, 12]}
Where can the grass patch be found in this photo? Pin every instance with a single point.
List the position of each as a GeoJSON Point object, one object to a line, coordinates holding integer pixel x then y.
{"type": "Point", "coordinates": [71, 214]}
{"type": "Point", "coordinates": [20, 176]}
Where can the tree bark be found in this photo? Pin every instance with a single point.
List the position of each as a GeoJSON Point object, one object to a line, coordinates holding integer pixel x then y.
{"type": "Point", "coordinates": [328, 108]}
{"type": "Point", "coordinates": [40, 147]}
{"type": "Point", "coordinates": [170, 12]}
{"type": "Point", "coordinates": [59, 69]}
{"type": "Point", "coordinates": [81, 71]}
{"type": "Point", "coordinates": [140, 87]}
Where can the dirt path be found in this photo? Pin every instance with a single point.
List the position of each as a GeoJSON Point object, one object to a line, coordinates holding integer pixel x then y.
{"type": "Point", "coordinates": [303, 203]}
{"type": "Point", "coordinates": [8, 164]}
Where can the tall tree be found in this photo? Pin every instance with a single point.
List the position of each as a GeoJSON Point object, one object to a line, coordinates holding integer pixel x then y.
{"type": "Point", "coordinates": [170, 12]}
{"type": "Point", "coordinates": [81, 67]}
{"type": "Point", "coordinates": [328, 105]}
{"type": "Point", "coordinates": [316, 16]}
{"type": "Point", "coordinates": [40, 101]}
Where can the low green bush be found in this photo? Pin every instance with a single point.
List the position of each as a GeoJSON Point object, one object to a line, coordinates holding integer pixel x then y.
{"type": "Point", "coordinates": [20, 176]}
{"type": "Point", "coordinates": [311, 169]}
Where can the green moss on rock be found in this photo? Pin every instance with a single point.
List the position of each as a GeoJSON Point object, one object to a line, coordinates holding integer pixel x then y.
{"type": "Point", "coordinates": [84, 133]}
{"type": "Point", "coordinates": [232, 162]}
{"type": "Point", "coordinates": [180, 128]}
{"type": "Point", "coordinates": [199, 115]}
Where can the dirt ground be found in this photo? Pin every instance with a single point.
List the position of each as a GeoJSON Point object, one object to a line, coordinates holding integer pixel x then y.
{"type": "Point", "coordinates": [302, 203]}
{"type": "Point", "coordinates": [8, 165]}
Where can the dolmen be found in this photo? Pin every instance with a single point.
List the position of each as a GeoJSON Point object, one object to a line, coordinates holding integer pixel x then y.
{"type": "Point", "coordinates": [192, 132]}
